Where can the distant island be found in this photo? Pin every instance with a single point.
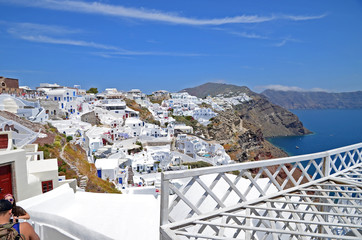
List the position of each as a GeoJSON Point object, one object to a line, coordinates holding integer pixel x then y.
{"type": "Point", "coordinates": [314, 100]}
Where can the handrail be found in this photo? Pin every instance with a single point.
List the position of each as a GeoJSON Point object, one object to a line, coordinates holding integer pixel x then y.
{"type": "Point", "coordinates": [276, 176]}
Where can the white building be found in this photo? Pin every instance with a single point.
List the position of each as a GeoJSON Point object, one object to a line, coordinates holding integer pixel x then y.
{"type": "Point", "coordinates": [69, 102]}
{"type": "Point", "coordinates": [20, 134]}
{"type": "Point", "coordinates": [94, 140]}
{"type": "Point", "coordinates": [183, 128]}
{"type": "Point", "coordinates": [116, 107]}
{"type": "Point", "coordinates": [25, 173]}
{"type": "Point", "coordinates": [73, 127]}
{"type": "Point", "coordinates": [201, 150]}
{"type": "Point", "coordinates": [203, 115]}
{"type": "Point", "coordinates": [152, 130]}
{"type": "Point", "coordinates": [133, 127]}
{"type": "Point", "coordinates": [22, 108]}
{"type": "Point", "coordinates": [107, 169]}
{"type": "Point", "coordinates": [161, 93]}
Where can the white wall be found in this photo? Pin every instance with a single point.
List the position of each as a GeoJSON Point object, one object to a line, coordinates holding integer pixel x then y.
{"type": "Point", "coordinates": [17, 159]}
{"type": "Point", "coordinates": [29, 175]}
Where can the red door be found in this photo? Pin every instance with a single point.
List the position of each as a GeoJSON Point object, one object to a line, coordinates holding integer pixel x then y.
{"type": "Point", "coordinates": [5, 180]}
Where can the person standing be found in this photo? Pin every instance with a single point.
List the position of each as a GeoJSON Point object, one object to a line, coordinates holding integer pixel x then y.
{"type": "Point", "coordinates": [14, 230]}
{"type": "Point", "coordinates": [18, 212]}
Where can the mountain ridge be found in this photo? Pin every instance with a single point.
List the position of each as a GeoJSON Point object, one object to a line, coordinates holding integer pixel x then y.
{"type": "Point", "coordinates": [314, 100]}
{"type": "Point", "coordinates": [214, 89]}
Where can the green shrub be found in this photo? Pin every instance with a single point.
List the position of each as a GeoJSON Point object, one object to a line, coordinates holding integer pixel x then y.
{"type": "Point", "coordinates": [69, 138]}
{"type": "Point", "coordinates": [57, 144]}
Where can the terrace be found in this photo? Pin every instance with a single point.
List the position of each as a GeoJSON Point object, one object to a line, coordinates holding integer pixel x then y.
{"type": "Point", "coordinates": [314, 196]}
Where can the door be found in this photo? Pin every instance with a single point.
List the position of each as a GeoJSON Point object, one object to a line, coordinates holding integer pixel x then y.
{"type": "Point", "coordinates": [5, 180]}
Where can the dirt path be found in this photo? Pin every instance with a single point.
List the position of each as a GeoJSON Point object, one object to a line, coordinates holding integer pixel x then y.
{"type": "Point", "coordinates": [82, 179]}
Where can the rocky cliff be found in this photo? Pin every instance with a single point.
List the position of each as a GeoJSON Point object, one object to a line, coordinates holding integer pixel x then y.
{"type": "Point", "coordinates": [240, 142]}
{"type": "Point", "coordinates": [243, 129]}
{"type": "Point", "coordinates": [271, 119]}
{"type": "Point", "coordinates": [258, 113]}
{"type": "Point", "coordinates": [315, 100]}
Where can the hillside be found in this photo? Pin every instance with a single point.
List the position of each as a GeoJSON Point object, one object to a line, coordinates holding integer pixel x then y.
{"type": "Point", "coordinates": [243, 129]}
{"type": "Point", "coordinates": [241, 143]}
{"type": "Point", "coordinates": [215, 89]}
{"type": "Point", "coordinates": [315, 100]}
{"type": "Point", "coordinates": [258, 113]}
{"type": "Point", "coordinates": [72, 159]}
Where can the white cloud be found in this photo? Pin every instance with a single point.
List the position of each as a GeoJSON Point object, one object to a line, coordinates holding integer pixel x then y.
{"type": "Point", "coordinates": [45, 39]}
{"type": "Point", "coordinates": [33, 28]}
{"type": "Point", "coordinates": [240, 34]}
{"type": "Point", "coordinates": [117, 51]}
{"type": "Point", "coordinates": [282, 43]}
{"type": "Point", "coordinates": [50, 34]}
{"type": "Point", "coordinates": [147, 14]}
{"type": "Point", "coordinates": [247, 35]}
{"type": "Point", "coordinates": [304, 18]}
{"type": "Point", "coordinates": [285, 40]}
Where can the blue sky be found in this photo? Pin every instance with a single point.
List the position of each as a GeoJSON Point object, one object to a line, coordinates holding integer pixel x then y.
{"type": "Point", "coordinates": [171, 45]}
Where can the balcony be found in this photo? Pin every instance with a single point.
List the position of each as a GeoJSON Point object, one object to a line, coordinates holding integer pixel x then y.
{"type": "Point", "coordinates": [315, 196]}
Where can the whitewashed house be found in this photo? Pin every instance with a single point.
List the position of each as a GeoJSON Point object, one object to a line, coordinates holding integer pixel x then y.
{"type": "Point", "coordinates": [20, 135]}
{"type": "Point", "coordinates": [107, 169]}
{"type": "Point", "coordinates": [152, 130]}
{"type": "Point", "coordinates": [203, 115]}
{"type": "Point", "coordinates": [25, 173]}
{"type": "Point", "coordinates": [161, 93]}
{"type": "Point", "coordinates": [183, 128]}
{"type": "Point", "coordinates": [141, 162]}
{"type": "Point", "coordinates": [69, 102]}
{"type": "Point", "coordinates": [116, 107]}
{"type": "Point", "coordinates": [73, 127]}
{"type": "Point", "coordinates": [133, 127]}
{"type": "Point", "coordinates": [32, 111]}
{"type": "Point", "coordinates": [93, 139]}
{"type": "Point", "coordinates": [135, 94]}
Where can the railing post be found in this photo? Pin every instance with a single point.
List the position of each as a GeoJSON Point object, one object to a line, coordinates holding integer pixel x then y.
{"type": "Point", "coordinates": [164, 200]}
{"type": "Point", "coordinates": [327, 165]}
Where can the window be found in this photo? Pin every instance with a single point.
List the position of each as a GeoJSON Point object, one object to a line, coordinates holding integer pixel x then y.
{"type": "Point", "coordinates": [47, 186]}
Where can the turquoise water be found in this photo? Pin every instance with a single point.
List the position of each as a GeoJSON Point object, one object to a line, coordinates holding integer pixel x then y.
{"type": "Point", "coordinates": [333, 128]}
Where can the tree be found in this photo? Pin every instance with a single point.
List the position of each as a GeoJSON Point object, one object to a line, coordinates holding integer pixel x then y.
{"type": "Point", "coordinates": [93, 90]}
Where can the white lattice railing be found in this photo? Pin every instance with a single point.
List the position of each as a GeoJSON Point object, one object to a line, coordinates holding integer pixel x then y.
{"type": "Point", "coordinates": [190, 195]}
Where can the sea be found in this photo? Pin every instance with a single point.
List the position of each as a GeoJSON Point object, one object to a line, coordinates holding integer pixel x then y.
{"type": "Point", "coordinates": [332, 128]}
